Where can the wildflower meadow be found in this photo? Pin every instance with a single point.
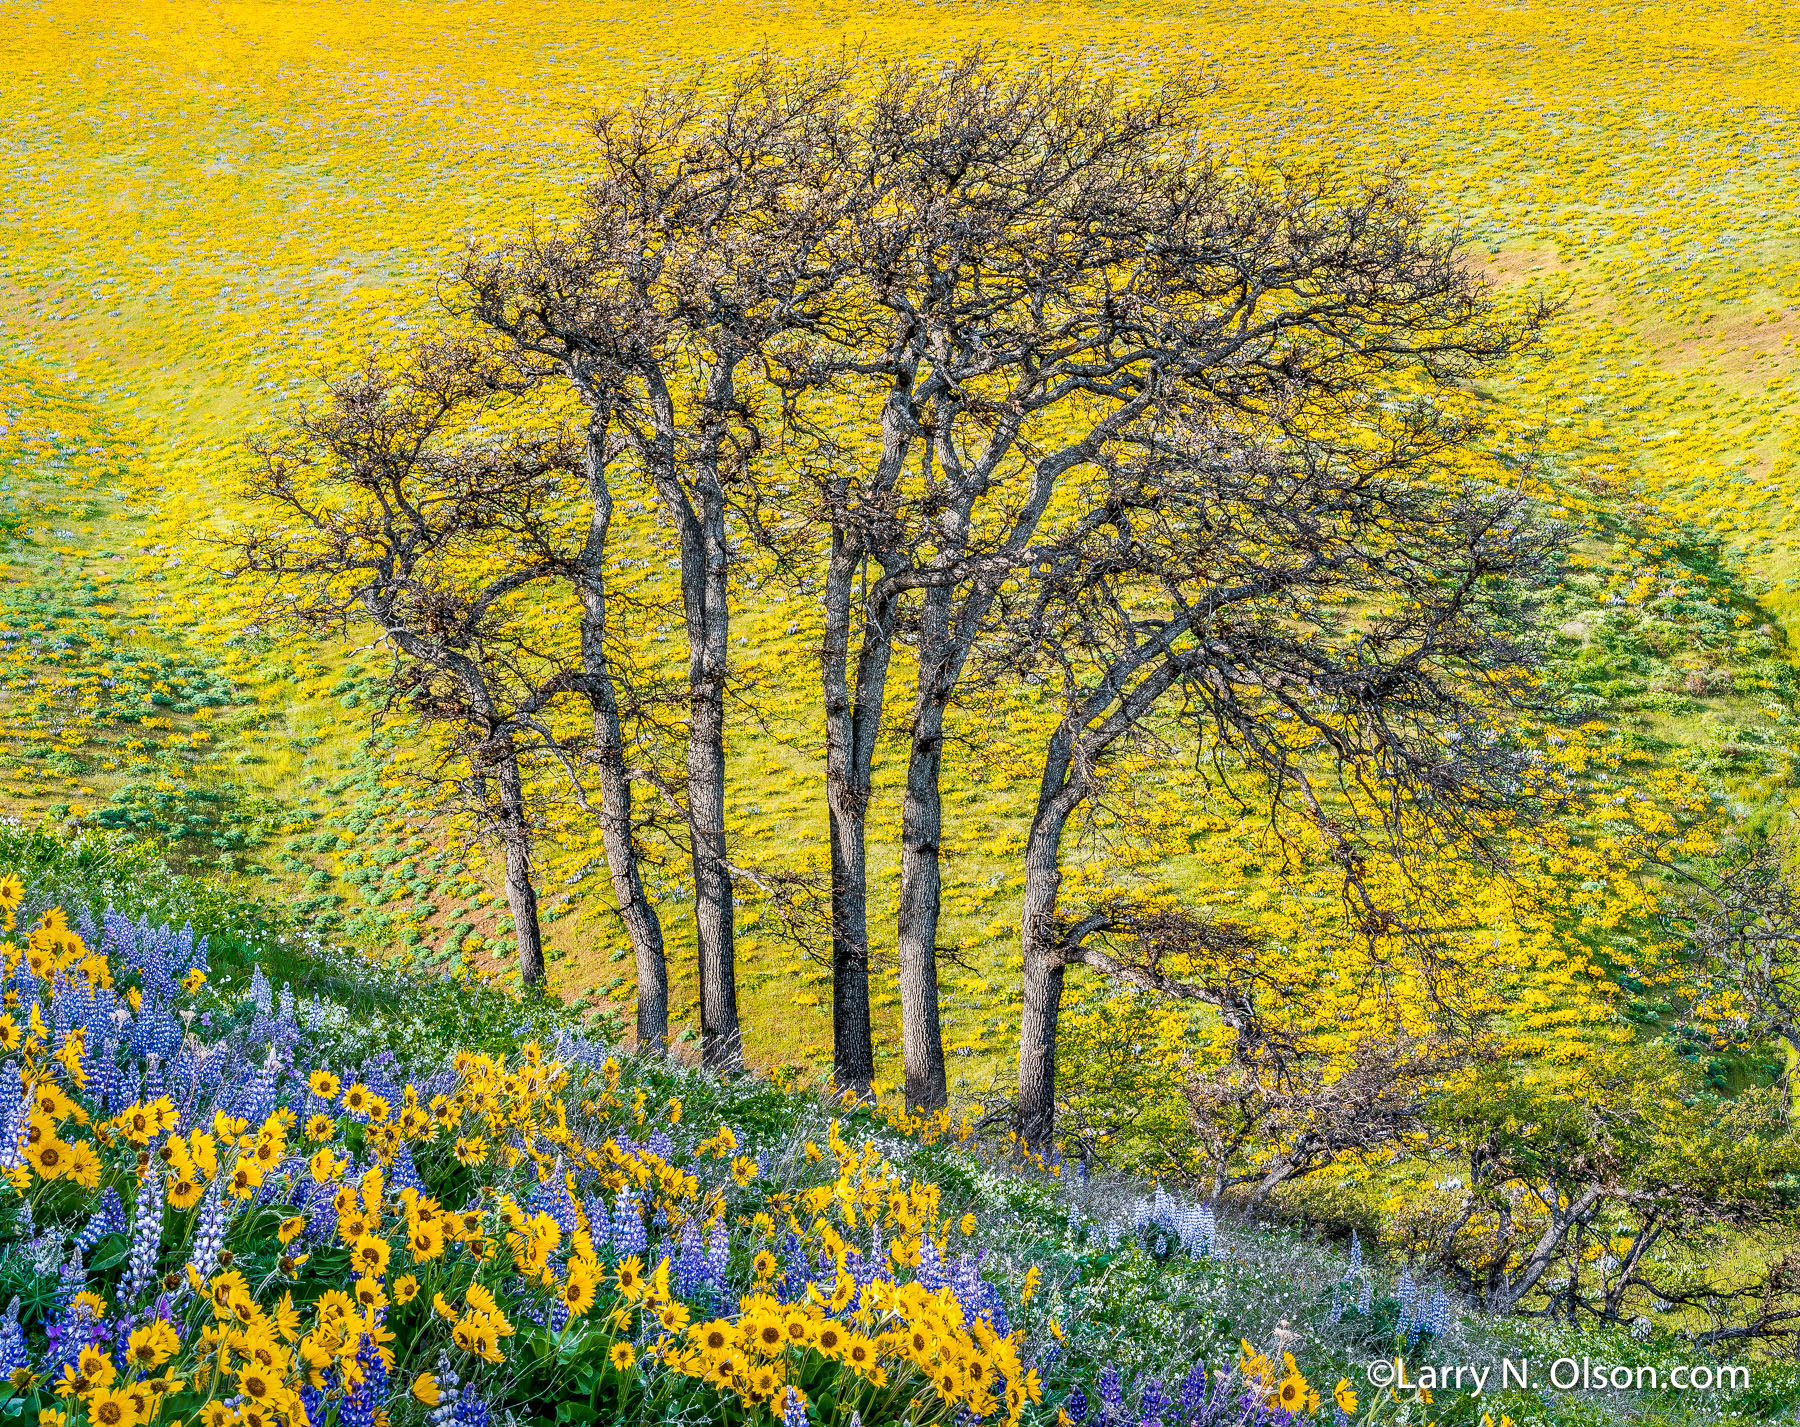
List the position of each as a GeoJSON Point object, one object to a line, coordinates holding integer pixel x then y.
{"type": "Point", "coordinates": [895, 715]}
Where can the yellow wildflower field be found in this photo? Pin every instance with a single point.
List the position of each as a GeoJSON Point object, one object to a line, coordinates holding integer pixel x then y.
{"type": "Point", "coordinates": [207, 205]}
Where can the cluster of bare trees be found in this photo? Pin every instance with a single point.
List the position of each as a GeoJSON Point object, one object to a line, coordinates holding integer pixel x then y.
{"type": "Point", "coordinates": [1020, 379]}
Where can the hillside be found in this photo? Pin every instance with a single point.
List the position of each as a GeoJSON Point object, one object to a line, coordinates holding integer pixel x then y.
{"type": "Point", "coordinates": [378, 1197]}
{"type": "Point", "coordinates": [207, 212]}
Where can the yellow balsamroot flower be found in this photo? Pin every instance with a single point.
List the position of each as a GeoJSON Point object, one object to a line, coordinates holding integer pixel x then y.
{"type": "Point", "coordinates": [860, 1353]}
{"type": "Point", "coordinates": [93, 1368]}
{"type": "Point", "coordinates": [425, 1389]}
{"type": "Point", "coordinates": [1345, 1396]}
{"type": "Point", "coordinates": [406, 1288]}
{"type": "Point", "coordinates": [84, 1165]}
{"type": "Point", "coordinates": [326, 1165]}
{"type": "Point", "coordinates": [369, 1255]}
{"type": "Point", "coordinates": [50, 1157]}
{"type": "Point", "coordinates": [483, 1302]}
{"type": "Point", "coordinates": [578, 1292]}
{"type": "Point", "coordinates": [324, 1084]}
{"type": "Point", "coordinates": [622, 1356]}
{"type": "Point", "coordinates": [356, 1099]}
{"type": "Point", "coordinates": [193, 981]}
{"type": "Point", "coordinates": [113, 1407]}
{"type": "Point", "coordinates": [764, 1266]}
{"type": "Point", "coordinates": [152, 1345]}
{"type": "Point", "coordinates": [475, 1335]}
{"type": "Point", "coordinates": [256, 1383]}
{"type": "Point", "coordinates": [290, 1229]}
{"type": "Point", "coordinates": [630, 1278]}
{"type": "Point", "coordinates": [764, 1381]}
{"type": "Point", "coordinates": [673, 1317]}
{"type": "Point", "coordinates": [320, 1127]}
{"type": "Point", "coordinates": [471, 1150]}
{"type": "Point", "coordinates": [227, 1291]}
{"type": "Point", "coordinates": [967, 1224]}
{"type": "Point", "coordinates": [1293, 1393]}
{"type": "Point", "coordinates": [764, 1334]}
{"type": "Point", "coordinates": [713, 1337]}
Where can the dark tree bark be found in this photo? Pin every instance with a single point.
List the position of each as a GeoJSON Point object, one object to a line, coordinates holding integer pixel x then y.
{"type": "Point", "coordinates": [852, 722]}
{"type": "Point", "coordinates": [370, 509]}
{"type": "Point", "coordinates": [698, 249]}
{"type": "Point", "coordinates": [515, 833]}
{"type": "Point", "coordinates": [617, 826]}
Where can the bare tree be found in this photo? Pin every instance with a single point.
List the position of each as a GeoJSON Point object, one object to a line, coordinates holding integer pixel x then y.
{"type": "Point", "coordinates": [1050, 263]}
{"type": "Point", "coordinates": [1203, 576]}
{"type": "Point", "coordinates": [697, 245]}
{"type": "Point", "coordinates": [1739, 926]}
{"type": "Point", "coordinates": [378, 510]}
{"type": "Point", "coordinates": [1586, 1206]}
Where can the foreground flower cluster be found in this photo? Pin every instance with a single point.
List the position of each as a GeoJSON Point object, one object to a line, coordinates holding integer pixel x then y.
{"type": "Point", "coordinates": [205, 1224]}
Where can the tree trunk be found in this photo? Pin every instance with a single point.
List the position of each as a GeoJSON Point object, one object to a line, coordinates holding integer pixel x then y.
{"type": "Point", "coordinates": [642, 924]}
{"type": "Point", "coordinates": [1508, 1295]}
{"type": "Point", "coordinates": [721, 1044]}
{"type": "Point", "coordinates": [705, 576]}
{"type": "Point", "coordinates": [1041, 944]}
{"type": "Point", "coordinates": [847, 805]}
{"type": "Point", "coordinates": [1043, 988]}
{"type": "Point", "coordinates": [921, 873]}
{"type": "Point", "coordinates": [521, 897]}
{"type": "Point", "coordinates": [852, 720]}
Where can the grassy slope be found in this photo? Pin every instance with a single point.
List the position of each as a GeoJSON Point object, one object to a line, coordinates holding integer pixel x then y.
{"type": "Point", "coordinates": [205, 206]}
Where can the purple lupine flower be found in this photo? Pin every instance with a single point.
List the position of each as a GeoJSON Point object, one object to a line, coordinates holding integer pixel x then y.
{"type": "Point", "coordinates": [793, 1411]}
{"type": "Point", "coordinates": [71, 1331]}
{"type": "Point", "coordinates": [690, 1262]}
{"type": "Point", "coordinates": [628, 1236]}
{"type": "Point", "coordinates": [471, 1411]}
{"type": "Point", "coordinates": [1366, 1294]}
{"type": "Point", "coordinates": [795, 1270]}
{"type": "Point", "coordinates": [360, 1407]}
{"type": "Point", "coordinates": [718, 1255]}
{"type": "Point", "coordinates": [209, 1232]}
{"type": "Point", "coordinates": [1192, 1396]}
{"type": "Point", "coordinates": [1355, 1257]}
{"type": "Point", "coordinates": [15, 1117]}
{"type": "Point", "coordinates": [551, 1196]}
{"type": "Point", "coordinates": [146, 1235]}
{"type": "Point", "coordinates": [108, 1218]}
{"type": "Point", "coordinates": [71, 1278]}
{"type": "Point", "coordinates": [1151, 1398]}
{"type": "Point", "coordinates": [13, 1354]}
{"type": "Point", "coordinates": [1437, 1314]}
{"type": "Point", "coordinates": [403, 1173]}
{"type": "Point", "coordinates": [449, 1391]}
{"type": "Point", "coordinates": [1077, 1405]}
{"type": "Point", "coordinates": [599, 1221]}
{"type": "Point", "coordinates": [931, 1273]}
{"type": "Point", "coordinates": [1112, 1396]}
